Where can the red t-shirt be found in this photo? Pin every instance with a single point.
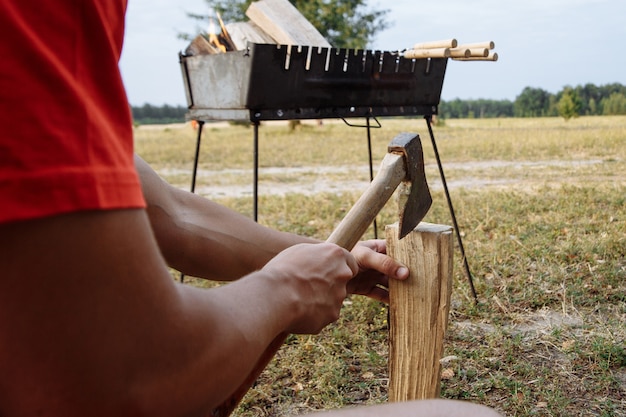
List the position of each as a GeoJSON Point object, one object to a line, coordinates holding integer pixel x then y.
{"type": "Point", "coordinates": [65, 125]}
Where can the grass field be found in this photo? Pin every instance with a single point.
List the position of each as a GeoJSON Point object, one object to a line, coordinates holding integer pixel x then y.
{"type": "Point", "coordinates": [541, 205]}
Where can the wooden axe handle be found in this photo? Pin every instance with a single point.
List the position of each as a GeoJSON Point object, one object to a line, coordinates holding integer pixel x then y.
{"type": "Point", "coordinates": [392, 171]}
{"type": "Point", "coordinates": [347, 234]}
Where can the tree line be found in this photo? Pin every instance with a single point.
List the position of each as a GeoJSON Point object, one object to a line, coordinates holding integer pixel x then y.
{"type": "Point", "coordinates": [582, 100]}
{"type": "Point", "coordinates": [149, 114]}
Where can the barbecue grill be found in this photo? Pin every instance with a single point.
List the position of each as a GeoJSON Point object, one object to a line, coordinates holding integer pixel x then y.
{"type": "Point", "coordinates": [282, 82]}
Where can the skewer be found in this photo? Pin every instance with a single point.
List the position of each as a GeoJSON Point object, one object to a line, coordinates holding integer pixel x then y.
{"type": "Point", "coordinates": [464, 52]}
{"type": "Point", "coordinates": [428, 53]}
{"type": "Point", "coordinates": [493, 56]}
{"type": "Point", "coordinates": [488, 45]}
{"type": "Point", "coordinates": [447, 43]}
{"type": "Point", "coordinates": [460, 53]}
{"type": "Point", "coordinates": [449, 48]}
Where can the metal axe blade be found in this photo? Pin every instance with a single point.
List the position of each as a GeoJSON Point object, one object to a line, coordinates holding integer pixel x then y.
{"type": "Point", "coordinates": [414, 199]}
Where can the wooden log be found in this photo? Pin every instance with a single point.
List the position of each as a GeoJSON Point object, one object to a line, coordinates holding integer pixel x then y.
{"type": "Point", "coordinates": [243, 32]}
{"type": "Point", "coordinates": [284, 23]}
{"type": "Point", "coordinates": [419, 310]}
{"type": "Point", "coordinates": [201, 46]}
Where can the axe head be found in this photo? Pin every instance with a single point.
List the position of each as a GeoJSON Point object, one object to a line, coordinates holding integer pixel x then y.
{"type": "Point", "coordinates": [414, 198]}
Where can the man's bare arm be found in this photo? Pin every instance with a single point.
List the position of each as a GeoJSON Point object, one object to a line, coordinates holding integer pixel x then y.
{"type": "Point", "coordinates": [205, 239]}
{"type": "Point", "coordinates": [93, 323]}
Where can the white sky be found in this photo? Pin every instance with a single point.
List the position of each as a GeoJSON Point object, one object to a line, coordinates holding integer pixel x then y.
{"type": "Point", "coordinates": [541, 43]}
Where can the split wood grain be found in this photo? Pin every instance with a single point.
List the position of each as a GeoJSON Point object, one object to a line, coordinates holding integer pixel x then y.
{"type": "Point", "coordinates": [419, 309]}
{"type": "Point", "coordinates": [284, 23]}
{"type": "Point", "coordinates": [243, 32]}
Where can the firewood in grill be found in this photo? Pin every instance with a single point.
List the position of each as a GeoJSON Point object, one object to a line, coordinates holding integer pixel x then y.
{"type": "Point", "coordinates": [243, 32]}
{"type": "Point", "coordinates": [200, 45]}
{"type": "Point", "coordinates": [284, 23]}
{"type": "Point", "coordinates": [224, 36]}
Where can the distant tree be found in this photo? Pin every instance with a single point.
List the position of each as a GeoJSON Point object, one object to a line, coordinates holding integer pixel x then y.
{"type": "Point", "coordinates": [344, 23]}
{"type": "Point", "coordinates": [614, 104]}
{"type": "Point", "coordinates": [569, 105]}
{"type": "Point", "coordinates": [589, 95]}
{"type": "Point", "coordinates": [532, 102]}
{"type": "Point", "coordinates": [593, 106]}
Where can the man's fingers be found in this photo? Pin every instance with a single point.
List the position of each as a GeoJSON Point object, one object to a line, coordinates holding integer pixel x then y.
{"type": "Point", "coordinates": [371, 259]}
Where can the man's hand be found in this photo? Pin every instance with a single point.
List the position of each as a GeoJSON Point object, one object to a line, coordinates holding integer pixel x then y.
{"type": "Point", "coordinates": [314, 278]}
{"type": "Point", "coordinates": [375, 269]}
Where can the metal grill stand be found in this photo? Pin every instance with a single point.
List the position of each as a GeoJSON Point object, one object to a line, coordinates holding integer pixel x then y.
{"type": "Point", "coordinates": [278, 82]}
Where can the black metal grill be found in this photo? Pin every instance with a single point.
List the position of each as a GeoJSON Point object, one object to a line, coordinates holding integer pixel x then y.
{"type": "Point", "coordinates": [279, 82]}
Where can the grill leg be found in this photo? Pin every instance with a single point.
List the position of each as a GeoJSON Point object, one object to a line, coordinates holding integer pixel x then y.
{"type": "Point", "coordinates": [369, 150]}
{"type": "Point", "coordinates": [466, 268]}
{"type": "Point", "coordinates": [194, 172]}
{"type": "Point", "coordinates": [255, 186]}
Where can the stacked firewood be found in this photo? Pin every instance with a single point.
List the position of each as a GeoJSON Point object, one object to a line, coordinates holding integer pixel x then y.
{"type": "Point", "coordinates": [279, 22]}
{"type": "Point", "coordinates": [271, 21]}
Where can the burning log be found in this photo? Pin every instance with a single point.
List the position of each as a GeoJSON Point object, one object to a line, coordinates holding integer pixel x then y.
{"type": "Point", "coordinates": [227, 40]}
{"type": "Point", "coordinates": [212, 42]}
{"type": "Point", "coordinates": [200, 45]}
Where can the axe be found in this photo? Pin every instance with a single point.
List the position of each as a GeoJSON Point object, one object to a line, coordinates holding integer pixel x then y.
{"type": "Point", "coordinates": [402, 165]}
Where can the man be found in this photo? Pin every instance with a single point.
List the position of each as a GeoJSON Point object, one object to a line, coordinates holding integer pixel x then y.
{"type": "Point", "coordinates": [91, 322]}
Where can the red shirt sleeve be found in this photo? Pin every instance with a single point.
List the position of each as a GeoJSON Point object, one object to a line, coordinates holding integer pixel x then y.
{"type": "Point", "coordinates": [67, 140]}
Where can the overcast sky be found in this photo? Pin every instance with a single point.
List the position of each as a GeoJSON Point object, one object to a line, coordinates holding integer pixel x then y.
{"type": "Point", "coordinates": [541, 43]}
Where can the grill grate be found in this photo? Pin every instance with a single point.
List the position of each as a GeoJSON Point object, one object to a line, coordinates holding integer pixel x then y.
{"type": "Point", "coordinates": [279, 82]}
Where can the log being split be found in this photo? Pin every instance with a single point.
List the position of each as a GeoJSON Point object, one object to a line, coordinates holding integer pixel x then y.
{"type": "Point", "coordinates": [418, 310]}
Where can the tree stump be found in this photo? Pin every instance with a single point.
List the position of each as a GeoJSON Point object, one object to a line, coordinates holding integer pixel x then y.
{"type": "Point", "coordinates": [419, 310]}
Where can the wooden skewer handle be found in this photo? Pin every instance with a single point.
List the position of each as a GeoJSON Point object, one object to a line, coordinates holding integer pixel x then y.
{"type": "Point", "coordinates": [447, 43]}
{"type": "Point", "coordinates": [460, 53]}
{"type": "Point", "coordinates": [491, 57]}
{"type": "Point", "coordinates": [348, 232]}
{"type": "Point", "coordinates": [487, 44]}
{"type": "Point", "coordinates": [427, 53]}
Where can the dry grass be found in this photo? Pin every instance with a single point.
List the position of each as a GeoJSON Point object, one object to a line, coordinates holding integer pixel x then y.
{"type": "Point", "coordinates": [542, 207]}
